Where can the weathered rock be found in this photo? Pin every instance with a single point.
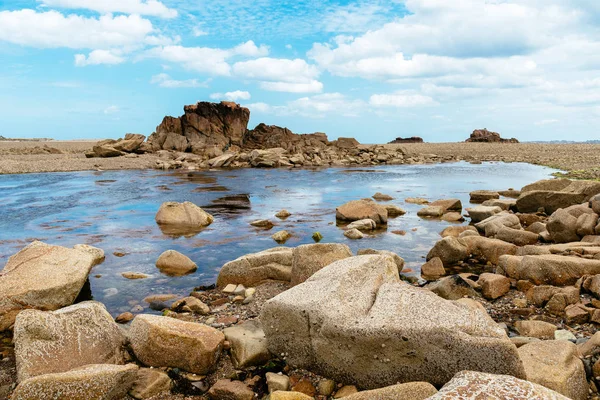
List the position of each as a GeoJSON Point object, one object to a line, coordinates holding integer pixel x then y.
{"type": "Point", "coordinates": [251, 269]}
{"type": "Point", "coordinates": [382, 197]}
{"type": "Point", "coordinates": [450, 250]}
{"type": "Point", "coordinates": [168, 342]}
{"type": "Point", "coordinates": [104, 151]}
{"type": "Point", "coordinates": [518, 237]}
{"type": "Point", "coordinates": [455, 231]}
{"type": "Point", "coordinates": [555, 364]}
{"type": "Point", "coordinates": [277, 382]}
{"type": "Point", "coordinates": [248, 344]}
{"type": "Point", "coordinates": [42, 277]}
{"type": "Point", "coordinates": [363, 225]}
{"type": "Point", "coordinates": [336, 322]}
{"type": "Point", "coordinates": [542, 294]}
{"type": "Point", "coordinates": [404, 391]}
{"type": "Point", "coordinates": [353, 234]}
{"type": "Point", "coordinates": [552, 270]}
{"type": "Point", "coordinates": [481, 213]}
{"type": "Point", "coordinates": [222, 161]}
{"type": "Point", "coordinates": [190, 304]}
{"type": "Point", "coordinates": [362, 209]}
{"type": "Point", "coordinates": [493, 285]}
{"type": "Point", "coordinates": [96, 253]}
{"type": "Point", "coordinates": [281, 395]}
{"type": "Point", "coordinates": [225, 389]}
{"type": "Point", "coordinates": [281, 237]}
{"type": "Point", "coordinates": [505, 205]}
{"type": "Point", "coordinates": [576, 314]}
{"type": "Point", "coordinates": [536, 329]}
{"type": "Point", "coordinates": [485, 136]}
{"type": "Point", "coordinates": [269, 158]}
{"type": "Point", "coordinates": [394, 211]}
{"type": "Point", "coordinates": [489, 249]}
{"type": "Point", "coordinates": [98, 382]}
{"type": "Point", "coordinates": [149, 383]}
{"type": "Point", "coordinates": [58, 341]}
{"type": "Point", "coordinates": [310, 258]}
{"type": "Point", "coordinates": [469, 385]}
{"type": "Point", "coordinates": [550, 195]}
{"type": "Point", "coordinates": [131, 143]}
{"type": "Point", "coordinates": [490, 226]}
{"type": "Point", "coordinates": [453, 288]}
{"type": "Point", "coordinates": [452, 217]}
{"type": "Point", "coordinates": [182, 217]}
{"type": "Point", "coordinates": [399, 261]}
{"type": "Point", "coordinates": [283, 214]}
{"type": "Point", "coordinates": [448, 205]}
{"type": "Point", "coordinates": [479, 196]}
{"type": "Point", "coordinates": [433, 269]}
{"type": "Point", "coordinates": [173, 263]}
{"type": "Point", "coordinates": [586, 224]}
{"type": "Point", "coordinates": [431, 212]}
{"type": "Point", "coordinates": [562, 227]}
{"type": "Point", "coordinates": [536, 227]}
{"type": "Point", "coordinates": [416, 200]}
{"type": "Point", "coordinates": [124, 318]}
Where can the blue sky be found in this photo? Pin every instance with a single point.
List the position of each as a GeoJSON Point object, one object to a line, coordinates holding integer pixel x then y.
{"type": "Point", "coordinates": [371, 69]}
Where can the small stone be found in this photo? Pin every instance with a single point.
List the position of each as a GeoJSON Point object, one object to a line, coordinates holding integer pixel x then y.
{"type": "Point", "coordinates": [382, 197]}
{"type": "Point", "coordinates": [149, 383]}
{"type": "Point", "coordinates": [493, 285]}
{"type": "Point", "coordinates": [250, 292]}
{"type": "Point", "coordinates": [576, 315]}
{"type": "Point", "coordinates": [281, 236]}
{"type": "Point", "coordinates": [345, 391]}
{"type": "Point", "coordinates": [277, 382]}
{"type": "Point", "coordinates": [240, 290]}
{"type": "Point", "coordinates": [225, 389]}
{"type": "Point", "coordinates": [394, 211]}
{"type": "Point", "coordinates": [354, 234]}
{"type": "Point", "coordinates": [521, 303]}
{"type": "Point", "coordinates": [283, 214]}
{"type": "Point", "coordinates": [191, 304]}
{"type": "Point", "coordinates": [563, 334]}
{"type": "Point", "coordinates": [239, 299]}
{"type": "Point", "coordinates": [262, 223]}
{"type": "Point", "coordinates": [306, 387]}
{"type": "Point", "coordinates": [229, 289]}
{"type": "Point", "coordinates": [537, 329]}
{"type": "Point", "coordinates": [124, 318]}
{"type": "Point", "coordinates": [227, 320]}
{"type": "Point", "coordinates": [326, 387]}
{"type": "Point", "coordinates": [134, 275]}
{"type": "Point", "coordinates": [248, 344]}
{"type": "Point", "coordinates": [433, 269]}
{"type": "Point", "coordinates": [317, 237]}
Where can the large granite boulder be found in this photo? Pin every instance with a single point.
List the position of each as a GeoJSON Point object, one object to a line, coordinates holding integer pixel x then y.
{"type": "Point", "coordinates": [168, 342]}
{"type": "Point", "coordinates": [181, 218]}
{"type": "Point", "coordinates": [552, 194]}
{"type": "Point", "coordinates": [356, 322]}
{"type": "Point", "coordinates": [252, 269]}
{"type": "Point", "coordinates": [310, 258]}
{"type": "Point", "coordinates": [357, 210]}
{"type": "Point", "coordinates": [97, 382]}
{"type": "Point", "coordinates": [562, 227]}
{"type": "Point", "coordinates": [555, 270]}
{"type": "Point", "coordinates": [449, 250]}
{"type": "Point", "coordinates": [470, 385]}
{"type": "Point", "coordinates": [58, 341]}
{"type": "Point", "coordinates": [42, 277]}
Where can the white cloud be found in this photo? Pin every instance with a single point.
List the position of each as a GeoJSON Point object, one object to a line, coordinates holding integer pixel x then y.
{"type": "Point", "coordinates": [98, 57]}
{"type": "Point", "coordinates": [206, 59]}
{"type": "Point", "coordinates": [197, 32]}
{"type": "Point", "coordinates": [143, 7]}
{"type": "Point", "coordinates": [231, 96]}
{"type": "Point", "coordinates": [400, 100]}
{"type": "Point", "coordinates": [111, 110]}
{"type": "Point", "coordinates": [546, 122]}
{"type": "Point", "coordinates": [52, 30]}
{"type": "Point", "coordinates": [280, 74]}
{"type": "Point", "coordinates": [259, 107]}
{"type": "Point", "coordinates": [165, 81]}
{"type": "Point", "coordinates": [317, 106]}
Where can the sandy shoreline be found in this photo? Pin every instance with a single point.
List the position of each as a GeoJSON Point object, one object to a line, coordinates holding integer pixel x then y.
{"type": "Point", "coordinates": [579, 160]}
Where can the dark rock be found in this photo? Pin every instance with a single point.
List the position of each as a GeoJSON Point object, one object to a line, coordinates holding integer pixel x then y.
{"type": "Point", "coordinates": [485, 136]}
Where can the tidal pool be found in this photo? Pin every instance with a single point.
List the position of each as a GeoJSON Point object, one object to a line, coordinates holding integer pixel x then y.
{"type": "Point", "coordinates": [115, 210]}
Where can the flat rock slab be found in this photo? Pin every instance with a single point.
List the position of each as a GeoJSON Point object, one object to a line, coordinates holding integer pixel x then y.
{"type": "Point", "coordinates": [97, 382]}
{"type": "Point", "coordinates": [42, 277]}
{"type": "Point", "coordinates": [251, 269]}
{"type": "Point", "coordinates": [547, 269]}
{"type": "Point", "coordinates": [345, 322]}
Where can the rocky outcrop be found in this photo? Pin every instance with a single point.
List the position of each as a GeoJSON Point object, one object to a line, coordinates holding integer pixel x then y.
{"type": "Point", "coordinates": [413, 139]}
{"type": "Point", "coordinates": [552, 194]}
{"type": "Point", "coordinates": [485, 136]}
{"type": "Point", "coordinates": [42, 277]}
{"type": "Point", "coordinates": [345, 322]}
{"type": "Point", "coordinates": [132, 143]}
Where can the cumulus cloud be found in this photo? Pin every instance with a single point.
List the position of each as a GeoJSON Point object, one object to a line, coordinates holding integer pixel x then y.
{"type": "Point", "coordinates": [165, 81]}
{"type": "Point", "coordinates": [98, 57]}
{"type": "Point", "coordinates": [317, 106]}
{"type": "Point", "coordinates": [280, 74]}
{"type": "Point", "coordinates": [231, 96]}
{"type": "Point", "coordinates": [401, 99]}
{"type": "Point", "coordinates": [206, 59]}
{"type": "Point", "coordinates": [143, 7]}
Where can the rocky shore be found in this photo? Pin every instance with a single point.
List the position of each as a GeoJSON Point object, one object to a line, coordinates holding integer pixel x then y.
{"type": "Point", "coordinates": [509, 304]}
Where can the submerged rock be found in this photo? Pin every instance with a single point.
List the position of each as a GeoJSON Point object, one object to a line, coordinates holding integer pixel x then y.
{"type": "Point", "coordinates": [42, 277]}
{"type": "Point", "coordinates": [362, 209]}
{"type": "Point", "coordinates": [345, 321]}
{"type": "Point", "coordinates": [182, 218]}
{"type": "Point", "coordinates": [173, 263]}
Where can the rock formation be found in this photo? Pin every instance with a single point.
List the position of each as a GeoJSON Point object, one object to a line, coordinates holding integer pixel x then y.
{"type": "Point", "coordinates": [485, 136]}
{"type": "Point", "coordinates": [413, 139]}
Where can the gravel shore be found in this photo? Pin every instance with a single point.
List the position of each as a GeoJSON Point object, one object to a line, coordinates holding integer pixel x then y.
{"type": "Point", "coordinates": [577, 160]}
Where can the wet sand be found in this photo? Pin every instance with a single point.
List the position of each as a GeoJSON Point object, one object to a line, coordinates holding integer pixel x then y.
{"type": "Point", "coordinates": [579, 160]}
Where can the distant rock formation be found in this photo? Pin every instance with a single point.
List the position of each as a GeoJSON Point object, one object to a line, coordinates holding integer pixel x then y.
{"type": "Point", "coordinates": [485, 136]}
{"type": "Point", "coordinates": [414, 139]}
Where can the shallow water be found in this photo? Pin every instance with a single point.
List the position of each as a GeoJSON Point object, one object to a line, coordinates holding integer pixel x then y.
{"type": "Point", "coordinates": [115, 210]}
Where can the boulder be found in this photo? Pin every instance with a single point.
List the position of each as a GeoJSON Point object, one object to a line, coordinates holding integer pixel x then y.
{"type": "Point", "coordinates": [190, 304]}
{"type": "Point", "coordinates": [552, 269]}
{"type": "Point", "coordinates": [363, 225]}
{"type": "Point", "coordinates": [281, 237]}
{"type": "Point", "coordinates": [382, 197]}
{"type": "Point", "coordinates": [433, 269]}
{"type": "Point", "coordinates": [226, 389]}
{"type": "Point", "coordinates": [174, 263]}
{"type": "Point", "coordinates": [168, 342]}
{"type": "Point", "coordinates": [555, 364]}
{"type": "Point", "coordinates": [448, 205]}
{"type": "Point", "coordinates": [550, 195]}
{"type": "Point", "coordinates": [394, 211]}
{"type": "Point", "coordinates": [277, 382]}
{"type": "Point", "coordinates": [269, 158]}
{"type": "Point", "coordinates": [586, 224]}
{"type": "Point", "coordinates": [562, 227]}
{"type": "Point", "coordinates": [98, 382]}
{"type": "Point", "coordinates": [479, 196]}
{"type": "Point", "coordinates": [455, 231]}
{"type": "Point", "coordinates": [149, 383]}
{"type": "Point", "coordinates": [404, 391]}
{"type": "Point", "coordinates": [362, 209]}
{"type": "Point", "coordinates": [346, 143]}
{"type": "Point", "coordinates": [595, 204]}
{"type": "Point", "coordinates": [43, 277]}
{"type": "Point", "coordinates": [248, 344]}
{"type": "Point", "coordinates": [251, 269]}
{"type": "Point", "coordinates": [542, 294]}
{"type": "Point", "coordinates": [453, 288]}
{"type": "Point", "coordinates": [399, 261]}
{"type": "Point", "coordinates": [485, 136]}
{"type": "Point", "coordinates": [452, 217]}
{"type": "Point", "coordinates": [489, 249]}
{"type": "Point", "coordinates": [480, 213]}
{"type": "Point", "coordinates": [431, 212]}
{"type": "Point", "coordinates": [105, 151]}
{"type": "Point", "coordinates": [182, 218]}
{"type": "Point", "coordinates": [505, 205]}
{"type": "Point", "coordinates": [536, 227]}
{"type": "Point", "coordinates": [222, 161]}
{"type": "Point", "coordinates": [469, 385]}
{"type": "Point", "coordinates": [310, 258]}
{"type": "Point", "coordinates": [131, 143]}
{"type": "Point", "coordinates": [353, 234]}
{"type": "Point", "coordinates": [96, 253]}
{"type": "Point", "coordinates": [536, 329]}
{"type": "Point", "coordinates": [344, 322]}
{"type": "Point", "coordinates": [490, 226]}
{"type": "Point", "coordinates": [450, 250]}
{"type": "Point", "coordinates": [516, 236]}
{"type": "Point", "coordinates": [493, 285]}
{"type": "Point", "coordinates": [57, 341]}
